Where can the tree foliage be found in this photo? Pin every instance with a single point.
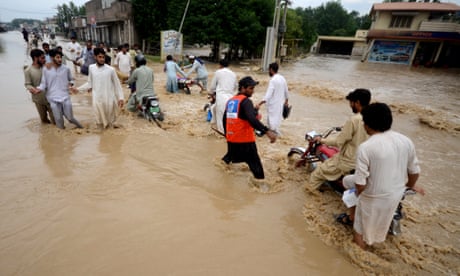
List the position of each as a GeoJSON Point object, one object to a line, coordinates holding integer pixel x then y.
{"type": "Point", "coordinates": [241, 24]}
{"type": "Point", "coordinates": [66, 12]}
{"type": "Point", "coordinates": [17, 22]}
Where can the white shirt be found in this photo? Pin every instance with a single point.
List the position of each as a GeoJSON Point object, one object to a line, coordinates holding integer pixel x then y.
{"type": "Point", "coordinates": [74, 50]}
{"type": "Point", "coordinates": [382, 165]}
{"type": "Point", "coordinates": [123, 61]}
{"type": "Point", "coordinates": [383, 162]}
{"type": "Point", "coordinates": [277, 93]}
{"type": "Point", "coordinates": [106, 91]}
{"type": "Point", "coordinates": [224, 81]}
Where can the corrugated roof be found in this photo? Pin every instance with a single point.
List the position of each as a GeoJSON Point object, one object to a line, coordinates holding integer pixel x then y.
{"type": "Point", "coordinates": [414, 6]}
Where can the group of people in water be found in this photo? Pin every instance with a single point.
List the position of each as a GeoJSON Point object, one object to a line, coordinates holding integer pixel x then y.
{"type": "Point", "coordinates": [377, 162]}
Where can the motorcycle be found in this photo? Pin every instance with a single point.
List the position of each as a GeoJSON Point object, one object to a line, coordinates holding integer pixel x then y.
{"type": "Point", "coordinates": [150, 109]}
{"type": "Point", "coordinates": [395, 226]}
{"type": "Point", "coordinates": [184, 83]}
{"type": "Point", "coordinates": [316, 152]}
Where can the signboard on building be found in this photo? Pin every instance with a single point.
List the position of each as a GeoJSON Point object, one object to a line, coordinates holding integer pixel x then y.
{"type": "Point", "coordinates": [93, 21]}
{"type": "Point", "coordinates": [389, 51]}
{"type": "Point", "coordinates": [171, 44]}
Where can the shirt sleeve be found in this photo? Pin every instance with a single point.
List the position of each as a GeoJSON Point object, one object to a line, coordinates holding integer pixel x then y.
{"type": "Point", "coordinates": [214, 83]}
{"type": "Point", "coordinates": [286, 91]}
{"type": "Point", "coordinates": [248, 112]}
{"type": "Point", "coordinates": [133, 77]}
{"type": "Point", "coordinates": [179, 70]}
{"type": "Point", "coordinates": [42, 85]}
{"type": "Point", "coordinates": [412, 162]}
{"type": "Point", "coordinates": [362, 167]}
{"type": "Point", "coordinates": [115, 61]}
{"type": "Point", "coordinates": [27, 79]}
{"type": "Point", "coordinates": [117, 86]}
{"type": "Point", "coordinates": [345, 135]}
{"type": "Point", "coordinates": [194, 67]}
{"type": "Point", "coordinates": [270, 91]}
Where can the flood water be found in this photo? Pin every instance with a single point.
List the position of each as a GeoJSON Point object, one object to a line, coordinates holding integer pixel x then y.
{"type": "Point", "coordinates": [140, 200]}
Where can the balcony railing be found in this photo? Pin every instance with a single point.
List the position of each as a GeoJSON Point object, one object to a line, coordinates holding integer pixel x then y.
{"type": "Point", "coordinates": [439, 26]}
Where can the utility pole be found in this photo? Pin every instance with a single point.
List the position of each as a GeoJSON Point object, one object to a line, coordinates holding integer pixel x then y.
{"type": "Point", "coordinates": [276, 26]}
{"type": "Point", "coordinates": [271, 39]}
{"type": "Point", "coordinates": [183, 16]}
{"type": "Point", "coordinates": [283, 28]}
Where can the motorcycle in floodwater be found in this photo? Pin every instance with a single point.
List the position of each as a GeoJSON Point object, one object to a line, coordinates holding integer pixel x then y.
{"type": "Point", "coordinates": [151, 110]}
{"type": "Point", "coordinates": [315, 152]}
{"type": "Point", "coordinates": [185, 84]}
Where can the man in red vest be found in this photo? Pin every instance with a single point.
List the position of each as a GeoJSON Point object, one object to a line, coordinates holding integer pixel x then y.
{"type": "Point", "coordinates": [239, 123]}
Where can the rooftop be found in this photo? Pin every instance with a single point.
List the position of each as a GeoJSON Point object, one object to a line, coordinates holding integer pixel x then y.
{"type": "Point", "coordinates": [415, 6]}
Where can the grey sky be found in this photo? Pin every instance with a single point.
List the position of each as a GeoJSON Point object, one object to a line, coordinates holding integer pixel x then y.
{"type": "Point", "coordinates": [40, 9]}
{"type": "Point", "coordinates": [35, 9]}
{"type": "Point", "coordinates": [361, 6]}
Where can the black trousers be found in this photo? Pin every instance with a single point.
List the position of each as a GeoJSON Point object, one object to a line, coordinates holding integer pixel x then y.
{"type": "Point", "coordinates": [245, 152]}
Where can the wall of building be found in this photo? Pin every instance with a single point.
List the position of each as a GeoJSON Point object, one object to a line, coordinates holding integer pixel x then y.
{"type": "Point", "coordinates": [383, 20]}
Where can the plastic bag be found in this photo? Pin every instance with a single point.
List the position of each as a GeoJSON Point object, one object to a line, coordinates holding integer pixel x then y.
{"type": "Point", "coordinates": [286, 111]}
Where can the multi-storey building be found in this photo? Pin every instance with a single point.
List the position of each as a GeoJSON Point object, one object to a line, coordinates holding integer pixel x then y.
{"type": "Point", "coordinates": [108, 21]}
{"type": "Point", "coordinates": [415, 33]}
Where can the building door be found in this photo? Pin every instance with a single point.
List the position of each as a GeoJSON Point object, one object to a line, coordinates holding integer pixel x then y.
{"type": "Point", "coordinates": [426, 53]}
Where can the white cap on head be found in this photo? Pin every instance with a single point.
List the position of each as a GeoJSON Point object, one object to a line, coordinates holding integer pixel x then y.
{"type": "Point", "coordinates": [192, 57]}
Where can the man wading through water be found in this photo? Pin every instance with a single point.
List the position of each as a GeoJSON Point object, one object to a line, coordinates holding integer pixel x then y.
{"type": "Point", "coordinates": [239, 123]}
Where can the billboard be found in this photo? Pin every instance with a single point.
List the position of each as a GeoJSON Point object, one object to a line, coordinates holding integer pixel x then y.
{"type": "Point", "coordinates": [171, 44]}
{"type": "Point", "coordinates": [388, 51]}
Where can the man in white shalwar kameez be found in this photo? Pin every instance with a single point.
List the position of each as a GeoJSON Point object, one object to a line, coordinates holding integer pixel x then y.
{"type": "Point", "coordinates": [106, 90]}
{"type": "Point", "coordinates": [386, 165]}
{"type": "Point", "coordinates": [224, 84]}
{"type": "Point", "coordinates": [276, 97]}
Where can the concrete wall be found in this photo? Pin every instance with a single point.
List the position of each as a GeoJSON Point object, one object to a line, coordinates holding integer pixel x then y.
{"type": "Point", "coordinates": [114, 21]}
{"type": "Point", "coordinates": [383, 20]}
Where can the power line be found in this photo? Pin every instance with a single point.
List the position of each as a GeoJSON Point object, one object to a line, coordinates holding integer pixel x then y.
{"type": "Point", "coordinates": [22, 11]}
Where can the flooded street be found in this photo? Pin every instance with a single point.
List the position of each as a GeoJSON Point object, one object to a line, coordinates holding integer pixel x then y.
{"type": "Point", "coordinates": [140, 200]}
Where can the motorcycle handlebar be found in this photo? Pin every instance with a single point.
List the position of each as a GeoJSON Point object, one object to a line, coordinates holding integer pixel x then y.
{"type": "Point", "coordinates": [312, 134]}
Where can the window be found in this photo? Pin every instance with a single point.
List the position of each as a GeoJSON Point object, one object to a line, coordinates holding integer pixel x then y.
{"type": "Point", "coordinates": [401, 21]}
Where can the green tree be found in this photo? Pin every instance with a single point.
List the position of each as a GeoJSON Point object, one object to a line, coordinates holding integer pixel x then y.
{"type": "Point", "coordinates": [66, 12]}
{"type": "Point", "coordinates": [363, 22]}
{"type": "Point", "coordinates": [17, 22]}
{"type": "Point", "coordinates": [293, 25]}
{"type": "Point", "coordinates": [332, 19]}
{"type": "Point", "coordinates": [309, 33]}
{"type": "Point", "coordinates": [149, 18]}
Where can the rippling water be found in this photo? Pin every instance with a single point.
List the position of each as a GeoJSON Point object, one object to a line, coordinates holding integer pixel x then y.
{"type": "Point", "coordinates": [141, 200]}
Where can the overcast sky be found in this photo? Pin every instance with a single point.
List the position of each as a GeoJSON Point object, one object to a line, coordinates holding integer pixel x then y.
{"type": "Point", "coordinates": [361, 6]}
{"type": "Point", "coordinates": [40, 9]}
{"type": "Point", "coordinates": [35, 9]}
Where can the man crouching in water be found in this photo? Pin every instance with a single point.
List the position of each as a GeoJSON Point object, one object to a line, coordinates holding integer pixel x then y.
{"type": "Point", "coordinates": [239, 123]}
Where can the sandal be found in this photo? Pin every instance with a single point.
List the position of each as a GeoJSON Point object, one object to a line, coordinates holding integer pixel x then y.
{"type": "Point", "coordinates": [344, 219]}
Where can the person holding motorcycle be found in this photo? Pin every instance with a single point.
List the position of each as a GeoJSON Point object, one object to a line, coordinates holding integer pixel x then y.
{"type": "Point", "coordinates": [386, 166]}
{"type": "Point", "coordinates": [197, 65]}
{"type": "Point", "coordinates": [348, 140]}
{"type": "Point", "coordinates": [239, 123]}
{"type": "Point", "coordinates": [142, 76]}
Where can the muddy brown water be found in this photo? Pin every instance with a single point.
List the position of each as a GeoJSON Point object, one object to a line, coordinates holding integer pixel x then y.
{"type": "Point", "coordinates": [140, 200]}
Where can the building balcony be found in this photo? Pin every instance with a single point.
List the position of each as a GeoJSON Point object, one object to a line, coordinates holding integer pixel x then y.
{"type": "Point", "coordinates": [439, 26]}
